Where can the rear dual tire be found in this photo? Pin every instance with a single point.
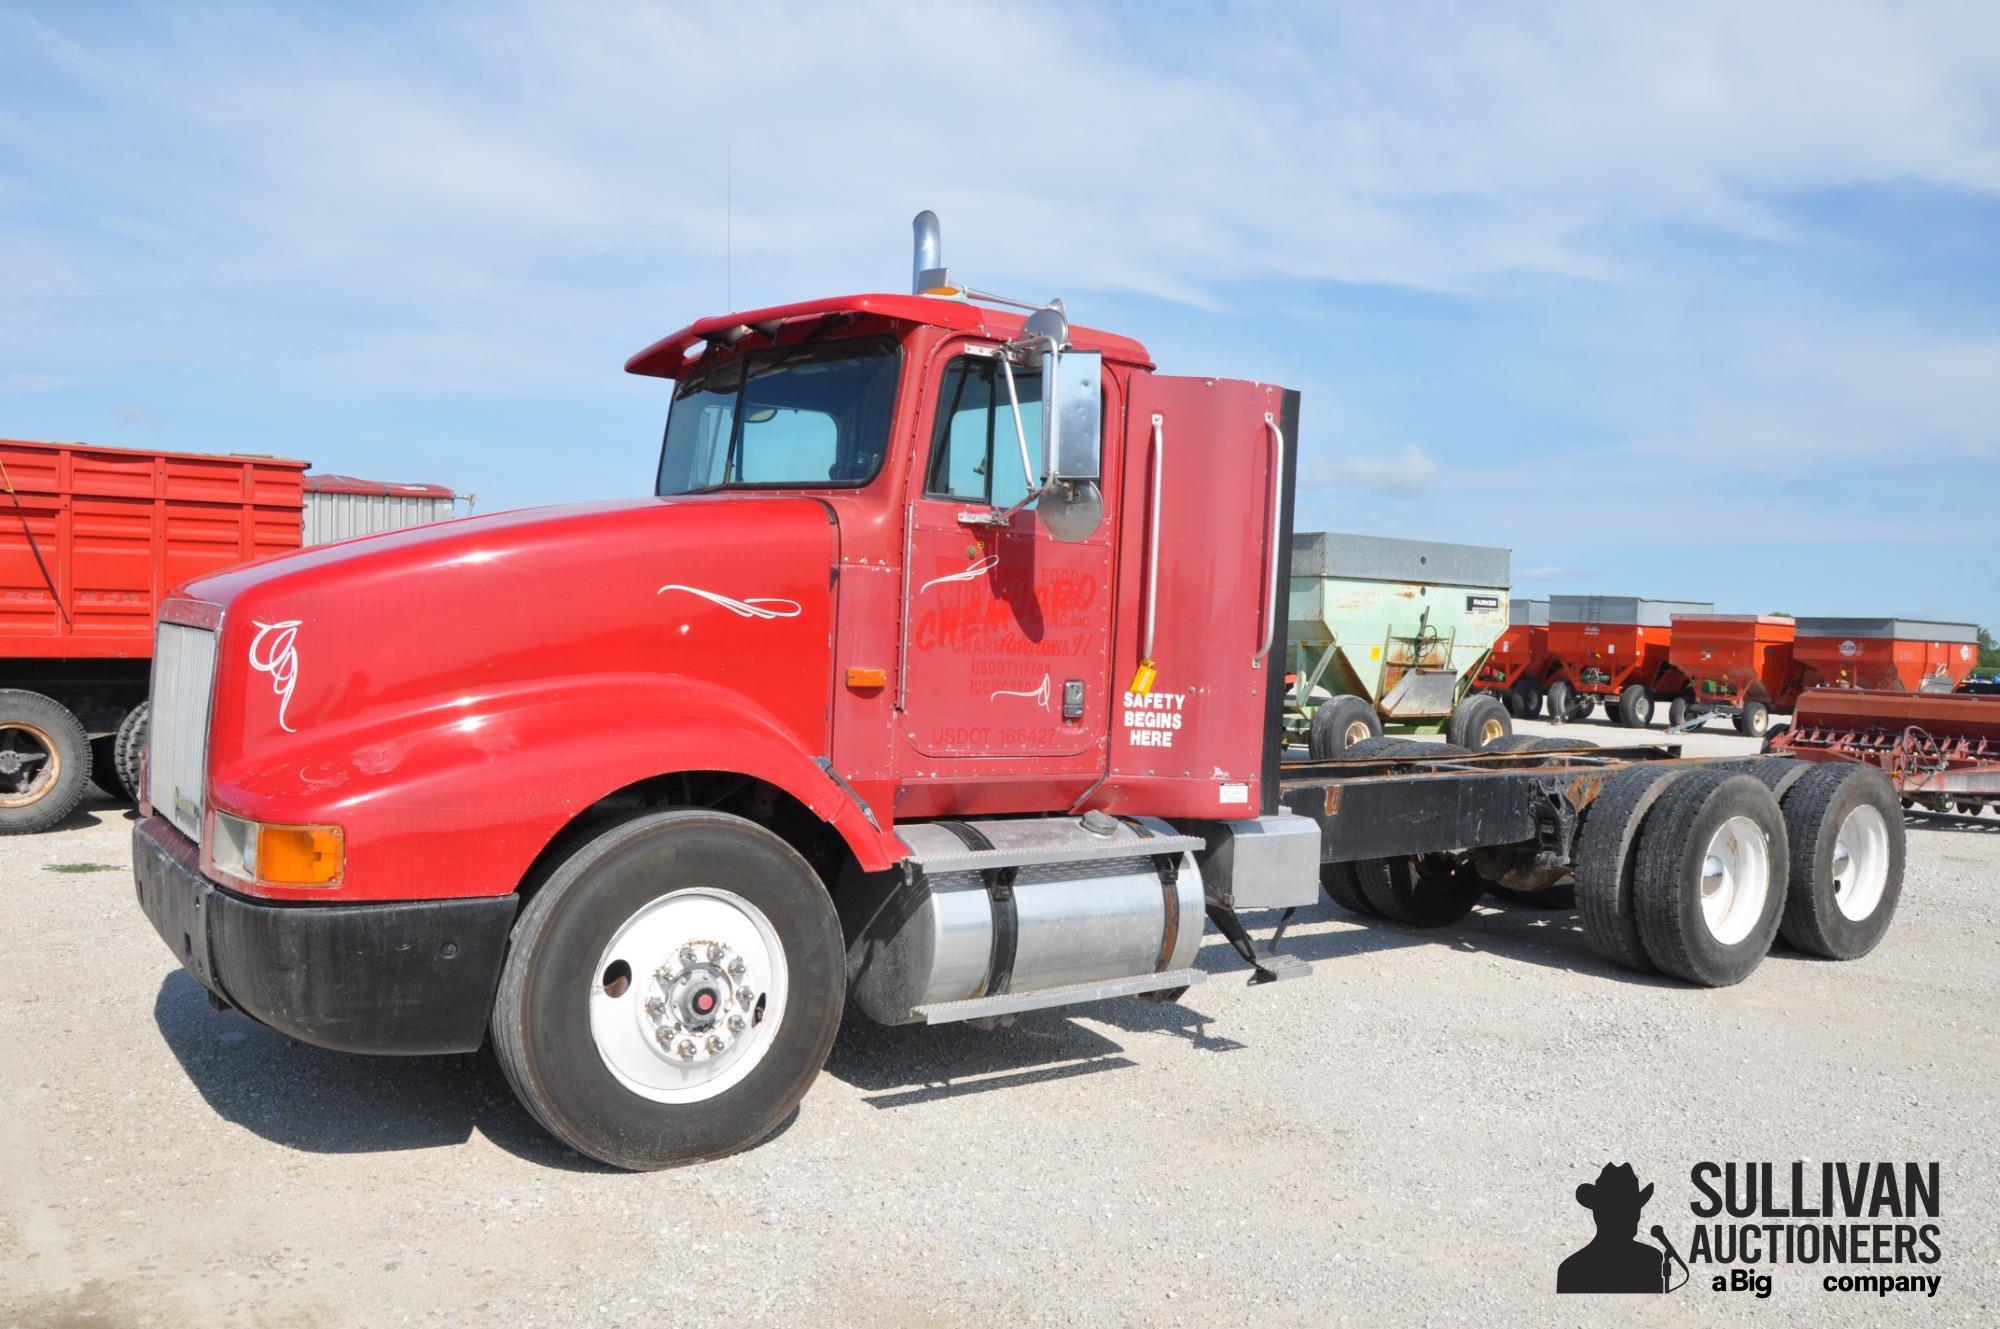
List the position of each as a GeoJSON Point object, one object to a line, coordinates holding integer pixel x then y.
{"type": "Point", "coordinates": [599, 1023]}
{"type": "Point", "coordinates": [1605, 862]}
{"type": "Point", "coordinates": [128, 751]}
{"type": "Point", "coordinates": [1846, 878]}
{"type": "Point", "coordinates": [1426, 891]}
{"type": "Point", "coordinates": [1709, 877]}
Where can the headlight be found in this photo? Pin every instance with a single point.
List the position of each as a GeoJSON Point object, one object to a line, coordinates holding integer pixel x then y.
{"type": "Point", "coordinates": [255, 851]}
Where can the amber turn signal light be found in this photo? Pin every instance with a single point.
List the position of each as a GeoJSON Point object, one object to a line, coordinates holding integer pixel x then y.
{"type": "Point", "coordinates": [300, 855]}
{"type": "Point", "coordinates": [866, 679]}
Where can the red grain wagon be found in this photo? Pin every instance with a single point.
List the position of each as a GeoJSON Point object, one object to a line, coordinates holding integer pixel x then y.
{"type": "Point", "coordinates": [91, 541]}
{"type": "Point", "coordinates": [1739, 665]}
{"type": "Point", "coordinates": [1520, 659]}
{"type": "Point", "coordinates": [1885, 654]}
{"type": "Point", "coordinates": [1615, 647]}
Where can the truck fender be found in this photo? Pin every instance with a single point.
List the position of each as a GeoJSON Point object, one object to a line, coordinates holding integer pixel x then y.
{"type": "Point", "coordinates": [463, 793]}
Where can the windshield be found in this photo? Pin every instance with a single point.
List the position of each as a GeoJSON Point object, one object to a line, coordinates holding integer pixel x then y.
{"type": "Point", "coordinates": [805, 416]}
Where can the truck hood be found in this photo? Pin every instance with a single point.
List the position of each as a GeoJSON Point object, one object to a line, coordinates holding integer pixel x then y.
{"type": "Point", "coordinates": [332, 659]}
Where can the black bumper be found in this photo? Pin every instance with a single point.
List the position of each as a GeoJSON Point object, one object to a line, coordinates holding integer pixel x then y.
{"type": "Point", "coordinates": [398, 977]}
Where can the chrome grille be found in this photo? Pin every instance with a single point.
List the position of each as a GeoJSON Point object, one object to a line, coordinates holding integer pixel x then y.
{"type": "Point", "coordinates": [177, 752]}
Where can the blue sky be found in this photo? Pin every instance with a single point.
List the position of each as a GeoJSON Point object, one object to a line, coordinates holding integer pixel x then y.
{"type": "Point", "coordinates": [1698, 301]}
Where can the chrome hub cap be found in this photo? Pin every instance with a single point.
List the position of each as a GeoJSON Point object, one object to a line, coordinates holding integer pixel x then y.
{"type": "Point", "coordinates": [1860, 863]}
{"type": "Point", "coordinates": [689, 993]}
{"type": "Point", "coordinates": [1735, 880]}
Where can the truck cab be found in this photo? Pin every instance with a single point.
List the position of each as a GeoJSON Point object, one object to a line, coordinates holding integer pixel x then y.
{"type": "Point", "coordinates": [939, 672]}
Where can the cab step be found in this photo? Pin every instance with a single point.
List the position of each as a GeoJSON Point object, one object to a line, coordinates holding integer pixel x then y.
{"type": "Point", "coordinates": [1013, 1003]}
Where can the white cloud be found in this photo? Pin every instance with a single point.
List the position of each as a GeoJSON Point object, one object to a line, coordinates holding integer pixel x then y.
{"type": "Point", "coordinates": [1408, 473]}
{"type": "Point", "coordinates": [499, 201]}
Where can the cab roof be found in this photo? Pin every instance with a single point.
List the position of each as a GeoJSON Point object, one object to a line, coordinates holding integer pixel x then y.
{"type": "Point", "coordinates": [674, 355]}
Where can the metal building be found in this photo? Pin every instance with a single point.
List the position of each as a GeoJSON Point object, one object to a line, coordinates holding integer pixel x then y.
{"type": "Point", "coordinates": [339, 507]}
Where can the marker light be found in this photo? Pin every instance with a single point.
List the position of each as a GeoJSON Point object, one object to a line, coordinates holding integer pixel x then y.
{"type": "Point", "coordinates": [278, 855]}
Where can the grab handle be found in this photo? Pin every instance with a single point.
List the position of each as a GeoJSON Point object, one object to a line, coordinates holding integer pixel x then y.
{"type": "Point", "coordinates": [1269, 609]}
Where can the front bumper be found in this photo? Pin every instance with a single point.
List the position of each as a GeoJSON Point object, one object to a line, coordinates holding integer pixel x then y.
{"type": "Point", "coordinates": [398, 977]}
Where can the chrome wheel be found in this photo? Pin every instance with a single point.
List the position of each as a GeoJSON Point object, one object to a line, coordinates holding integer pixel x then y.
{"type": "Point", "coordinates": [1735, 880]}
{"type": "Point", "coordinates": [688, 995]}
{"type": "Point", "coordinates": [1860, 862]}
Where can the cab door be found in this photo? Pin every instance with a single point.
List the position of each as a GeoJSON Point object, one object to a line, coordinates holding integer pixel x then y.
{"type": "Point", "coordinates": [1006, 629]}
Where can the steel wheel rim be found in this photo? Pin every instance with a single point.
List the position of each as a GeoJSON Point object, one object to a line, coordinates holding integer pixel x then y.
{"type": "Point", "coordinates": [1490, 732]}
{"type": "Point", "coordinates": [1735, 880]}
{"type": "Point", "coordinates": [28, 776]}
{"type": "Point", "coordinates": [646, 1014]}
{"type": "Point", "coordinates": [1357, 732]}
{"type": "Point", "coordinates": [1860, 863]}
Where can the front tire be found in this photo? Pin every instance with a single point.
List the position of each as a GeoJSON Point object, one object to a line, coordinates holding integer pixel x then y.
{"type": "Point", "coordinates": [672, 991]}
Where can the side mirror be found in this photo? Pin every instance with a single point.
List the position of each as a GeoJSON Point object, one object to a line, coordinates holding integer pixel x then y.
{"type": "Point", "coordinates": [1071, 505]}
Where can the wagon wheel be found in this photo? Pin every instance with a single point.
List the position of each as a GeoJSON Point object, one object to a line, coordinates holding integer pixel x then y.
{"type": "Point", "coordinates": [30, 763]}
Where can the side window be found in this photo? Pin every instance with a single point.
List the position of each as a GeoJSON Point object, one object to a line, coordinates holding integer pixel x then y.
{"type": "Point", "coordinates": [976, 454]}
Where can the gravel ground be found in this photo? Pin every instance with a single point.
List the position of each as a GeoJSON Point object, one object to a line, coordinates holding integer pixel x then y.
{"type": "Point", "coordinates": [1393, 1140]}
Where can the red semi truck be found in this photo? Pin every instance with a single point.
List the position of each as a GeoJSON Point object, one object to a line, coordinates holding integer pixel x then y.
{"type": "Point", "coordinates": [91, 541]}
{"type": "Point", "coordinates": [872, 701]}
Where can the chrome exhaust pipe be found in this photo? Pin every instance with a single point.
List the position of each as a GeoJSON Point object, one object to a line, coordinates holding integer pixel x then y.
{"type": "Point", "coordinates": [927, 270]}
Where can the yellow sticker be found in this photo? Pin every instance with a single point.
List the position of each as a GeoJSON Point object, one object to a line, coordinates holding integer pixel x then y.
{"type": "Point", "coordinates": [1142, 679]}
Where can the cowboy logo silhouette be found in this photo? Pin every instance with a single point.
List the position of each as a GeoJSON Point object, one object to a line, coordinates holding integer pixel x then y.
{"type": "Point", "coordinates": [1614, 1260]}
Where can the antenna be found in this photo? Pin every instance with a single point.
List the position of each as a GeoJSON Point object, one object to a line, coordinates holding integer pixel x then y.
{"type": "Point", "coordinates": [729, 227]}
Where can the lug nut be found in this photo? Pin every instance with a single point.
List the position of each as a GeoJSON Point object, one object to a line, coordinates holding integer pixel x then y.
{"type": "Point", "coordinates": [655, 1007]}
{"type": "Point", "coordinates": [687, 955]}
{"type": "Point", "coordinates": [664, 1036]}
{"type": "Point", "coordinates": [736, 1023]}
{"type": "Point", "coordinates": [737, 967]}
{"type": "Point", "coordinates": [745, 996]}
{"type": "Point", "coordinates": [686, 1049]}
{"type": "Point", "coordinates": [715, 953]}
{"type": "Point", "coordinates": [715, 1042]}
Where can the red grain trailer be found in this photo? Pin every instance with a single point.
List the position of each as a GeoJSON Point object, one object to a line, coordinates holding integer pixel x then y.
{"type": "Point", "coordinates": [1615, 647]}
{"type": "Point", "coordinates": [1739, 665]}
{"type": "Point", "coordinates": [1885, 654]}
{"type": "Point", "coordinates": [1515, 668]}
{"type": "Point", "coordinates": [91, 540]}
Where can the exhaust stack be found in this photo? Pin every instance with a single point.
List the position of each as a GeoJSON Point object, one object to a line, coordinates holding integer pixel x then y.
{"type": "Point", "coordinates": [927, 271]}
